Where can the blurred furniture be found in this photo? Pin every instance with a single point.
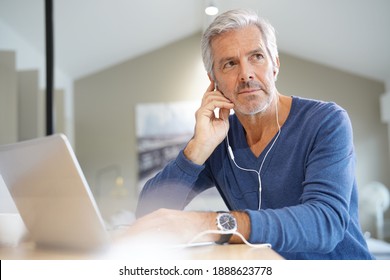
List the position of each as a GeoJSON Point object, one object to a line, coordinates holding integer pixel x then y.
{"type": "Point", "coordinates": [374, 199]}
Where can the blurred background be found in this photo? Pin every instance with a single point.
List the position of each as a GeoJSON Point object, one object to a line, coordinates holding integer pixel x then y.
{"type": "Point", "coordinates": [124, 68]}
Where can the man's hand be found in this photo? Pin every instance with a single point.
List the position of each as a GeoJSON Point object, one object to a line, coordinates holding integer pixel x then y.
{"type": "Point", "coordinates": [172, 227]}
{"type": "Point", "coordinates": [209, 130]}
{"type": "Point", "coordinates": [166, 226]}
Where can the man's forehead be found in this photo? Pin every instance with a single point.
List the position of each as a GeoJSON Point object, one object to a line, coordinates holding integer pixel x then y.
{"type": "Point", "coordinates": [235, 41]}
{"type": "Point", "coordinates": [246, 31]}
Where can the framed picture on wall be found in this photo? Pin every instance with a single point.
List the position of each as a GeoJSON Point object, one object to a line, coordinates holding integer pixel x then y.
{"type": "Point", "coordinates": [162, 130]}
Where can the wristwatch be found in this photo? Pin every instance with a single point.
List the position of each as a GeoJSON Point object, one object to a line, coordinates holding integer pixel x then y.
{"type": "Point", "coordinates": [225, 222]}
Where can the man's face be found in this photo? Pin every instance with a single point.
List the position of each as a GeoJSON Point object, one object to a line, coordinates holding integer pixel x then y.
{"type": "Point", "coordinates": [243, 70]}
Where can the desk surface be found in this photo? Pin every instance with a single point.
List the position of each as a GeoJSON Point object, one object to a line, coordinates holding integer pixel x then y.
{"type": "Point", "coordinates": [27, 251]}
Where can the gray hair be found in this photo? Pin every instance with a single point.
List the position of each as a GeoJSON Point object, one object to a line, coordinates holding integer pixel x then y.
{"type": "Point", "coordinates": [236, 19]}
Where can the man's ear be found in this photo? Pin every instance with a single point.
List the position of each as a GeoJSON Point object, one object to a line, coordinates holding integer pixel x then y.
{"type": "Point", "coordinates": [210, 77]}
{"type": "Point", "coordinates": [212, 80]}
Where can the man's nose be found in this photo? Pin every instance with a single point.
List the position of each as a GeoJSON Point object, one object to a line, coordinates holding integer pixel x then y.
{"type": "Point", "coordinates": [246, 72]}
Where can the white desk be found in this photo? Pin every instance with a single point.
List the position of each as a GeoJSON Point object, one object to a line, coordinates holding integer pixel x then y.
{"type": "Point", "coordinates": [27, 251]}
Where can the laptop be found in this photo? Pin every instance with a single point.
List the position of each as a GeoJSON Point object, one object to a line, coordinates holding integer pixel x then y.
{"type": "Point", "coordinates": [51, 194]}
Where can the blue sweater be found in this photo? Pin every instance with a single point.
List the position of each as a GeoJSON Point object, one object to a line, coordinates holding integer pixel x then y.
{"type": "Point", "coordinates": [309, 202]}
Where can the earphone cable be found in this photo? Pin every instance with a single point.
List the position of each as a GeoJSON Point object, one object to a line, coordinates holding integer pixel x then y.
{"type": "Point", "coordinates": [194, 240]}
{"type": "Point", "coordinates": [265, 156]}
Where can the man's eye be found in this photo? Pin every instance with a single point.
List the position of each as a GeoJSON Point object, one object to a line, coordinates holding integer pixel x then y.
{"type": "Point", "coordinates": [228, 64]}
{"type": "Point", "coordinates": [258, 56]}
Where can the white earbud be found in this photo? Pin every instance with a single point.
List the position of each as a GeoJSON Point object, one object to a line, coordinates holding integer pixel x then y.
{"type": "Point", "coordinates": [231, 152]}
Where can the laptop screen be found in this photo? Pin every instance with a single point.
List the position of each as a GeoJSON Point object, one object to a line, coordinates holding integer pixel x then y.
{"type": "Point", "coordinates": [51, 193]}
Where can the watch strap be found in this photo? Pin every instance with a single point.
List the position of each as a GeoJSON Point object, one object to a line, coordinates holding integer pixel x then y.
{"type": "Point", "coordinates": [224, 239]}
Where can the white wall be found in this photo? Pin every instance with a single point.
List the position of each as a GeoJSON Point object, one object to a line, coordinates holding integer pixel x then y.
{"type": "Point", "coordinates": [385, 107]}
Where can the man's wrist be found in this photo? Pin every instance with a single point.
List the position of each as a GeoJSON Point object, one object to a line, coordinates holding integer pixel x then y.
{"type": "Point", "coordinates": [243, 226]}
{"type": "Point", "coordinates": [195, 154]}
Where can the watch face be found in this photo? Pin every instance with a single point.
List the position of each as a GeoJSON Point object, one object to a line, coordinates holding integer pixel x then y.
{"type": "Point", "coordinates": [227, 222]}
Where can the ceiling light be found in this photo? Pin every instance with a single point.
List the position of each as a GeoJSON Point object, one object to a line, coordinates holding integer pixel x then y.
{"type": "Point", "coordinates": [211, 10]}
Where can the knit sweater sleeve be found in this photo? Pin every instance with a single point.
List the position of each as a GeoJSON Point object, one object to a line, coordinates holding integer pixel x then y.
{"type": "Point", "coordinates": [174, 186]}
{"type": "Point", "coordinates": [321, 219]}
